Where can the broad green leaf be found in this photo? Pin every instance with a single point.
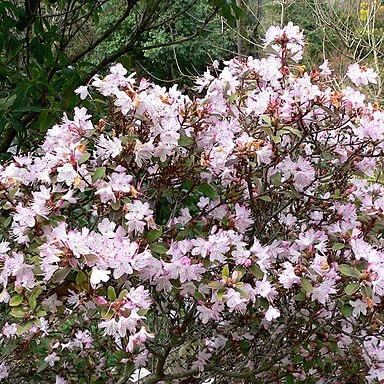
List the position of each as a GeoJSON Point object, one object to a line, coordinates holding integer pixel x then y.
{"type": "Point", "coordinates": [32, 302]}
{"type": "Point", "coordinates": [81, 280]}
{"type": "Point", "coordinates": [17, 312]}
{"type": "Point", "coordinates": [225, 271]}
{"type": "Point", "coordinates": [159, 248]}
{"type": "Point", "coordinates": [99, 174]}
{"type": "Point", "coordinates": [265, 198]}
{"type": "Point", "coordinates": [207, 190]}
{"type": "Point", "coordinates": [347, 310]}
{"type": "Point", "coordinates": [123, 293]}
{"type": "Point", "coordinates": [185, 141]}
{"type": "Point", "coordinates": [256, 271]}
{"type": "Point", "coordinates": [215, 285]}
{"type": "Point", "coordinates": [348, 270]}
{"type": "Point", "coordinates": [16, 300]}
{"type": "Point", "coordinates": [43, 365]}
{"type": "Point", "coordinates": [366, 291]}
{"type": "Point", "coordinates": [221, 293]}
{"type": "Point", "coordinates": [84, 158]}
{"type": "Point", "coordinates": [306, 285]}
{"type": "Point", "coordinates": [300, 297]}
{"type": "Point", "coordinates": [61, 274]}
{"type": "Point", "coordinates": [22, 328]}
{"type": "Point", "coordinates": [350, 289]}
{"type": "Point", "coordinates": [111, 293]}
{"type": "Point", "coordinates": [338, 246]}
{"type": "Point", "coordinates": [154, 235]}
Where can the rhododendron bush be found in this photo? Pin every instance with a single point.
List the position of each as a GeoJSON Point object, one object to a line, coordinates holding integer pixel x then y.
{"type": "Point", "coordinates": [235, 236]}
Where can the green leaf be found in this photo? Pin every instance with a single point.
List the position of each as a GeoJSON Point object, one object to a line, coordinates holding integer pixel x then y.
{"type": "Point", "coordinates": [266, 119]}
{"type": "Point", "coordinates": [215, 285]}
{"type": "Point", "coordinates": [32, 302]}
{"type": "Point", "coordinates": [289, 379]}
{"type": "Point", "coordinates": [350, 289]}
{"type": "Point", "coordinates": [7, 221]}
{"type": "Point", "coordinates": [123, 293]}
{"type": "Point", "coordinates": [241, 272]}
{"type": "Point", "coordinates": [366, 291]}
{"type": "Point", "coordinates": [256, 271]}
{"type": "Point", "coordinates": [185, 141]}
{"type": "Point", "coordinates": [34, 295]}
{"type": "Point", "coordinates": [111, 293]}
{"type": "Point", "coordinates": [61, 274]}
{"type": "Point", "coordinates": [347, 310]}
{"type": "Point", "coordinates": [159, 248]}
{"type": "Point", "coordinates": [82, 281]}
{"type": "Point", "coordinates": [99, 174]}
{"type": "Point", "coordinates": [207, 190]}
{"type": "Point", "coordinates": [265, 198]}
{"type": "Point", "coordinates": [300, 297]}
{"type": "Point", "coordinates": [44, 121]}
{"type": "Point", "coordinates": [154, 235]}
{"type": "Point", "coordinates": [225, 271]}
{"type": "Point", "coordinates": [116, 205]}
{"type": "Point", "coordinates": [17, 312]}
{"type": "Point", "coordinates": [276, 179]}
{"type": "Point", "coordinates": [338, 246]}
{"type": "Point", "coordinates": [16, 300]}
{"type": "Point", "coordinates": [292, 130]}
{"type": "Point", "coordinates": [6, 102]}
{"type": "Point", "coordinates": [43, 365]}
{"type": "Point", "coordinates": [84, 158]}
{"type": "Point", "coordinates": [306, 285]}
{"type": "Point", "coordinates": [22, 328]}
{"type": "Point", "coordinates": [17, 126]}
{"type": "Point", "coordinates": [221, 293]}
{"type": "Point", "coordinates": [348, 270]}
{"type": "Point", "coordinates": [198, 296]}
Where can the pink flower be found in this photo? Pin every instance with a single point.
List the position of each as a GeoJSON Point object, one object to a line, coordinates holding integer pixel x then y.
{"type": "Point", "coordinates": [361, 75]}
{"type": "Point", "coordinates": [325, 71]}
{"type": "Point", "coordinates": [235, 301]}
{"type": "Point", "coordinates": [271, 314]}
{"type": "Point", "coordinates": [82, 91]}
{"type": "Point", "coordinates": [138, 339]}
{"type": "Point", "coordinates": [67, 174]}
{"type": "Point", "coordinates": [60, 380]}
{"type": "Point", "coordinates": [359, 307]}
{"type": "Point", "coordinates": [4, 370]}
{"type": "Point", "coordinates": [51, 359]}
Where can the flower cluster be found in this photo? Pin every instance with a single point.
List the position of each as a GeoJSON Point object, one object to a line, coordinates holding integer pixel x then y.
{"type": "Point", "coordinates": [236, 234]}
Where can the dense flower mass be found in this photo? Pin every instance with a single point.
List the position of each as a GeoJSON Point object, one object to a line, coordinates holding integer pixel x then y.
{"type": "Point", "coordinates": [235, 236]}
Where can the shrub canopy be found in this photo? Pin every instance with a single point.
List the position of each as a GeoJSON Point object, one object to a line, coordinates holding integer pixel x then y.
{"type": "Point", "coordinates": [236, 235]}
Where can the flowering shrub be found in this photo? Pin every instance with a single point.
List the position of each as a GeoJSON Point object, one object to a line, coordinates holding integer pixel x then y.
{"type": "Point", "coordinates": [235, 236]}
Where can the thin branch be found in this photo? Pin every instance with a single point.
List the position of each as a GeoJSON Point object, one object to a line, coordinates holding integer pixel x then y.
{"type": "Point", "coordinates": [107, 33]}
{"type": "Point", "coordinates": [133, 40]}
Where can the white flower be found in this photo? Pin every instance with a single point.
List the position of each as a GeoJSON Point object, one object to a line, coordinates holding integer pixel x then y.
{"type": "Point", "coordinates": [44, 326]}
{"type": "Point", "coordinates": [325, 71]}
{"type": "Point", "coordinates": [143, 152]}
{"type": "Point", "coordinates": [60, 380]}
{"type": "Point", "coordinates": [51, 359]}
{"type": "Point", "coordinates": [110, 326]}
{"type": "Point", "coordinates": [359, 307]}
{"type": "Point", "coordinates": [361, 75]}
{"type": "Point", "coordinates": [272, 314]}
{"type": "Point", "coordinates": [4, 296]}
{"type": "Point", "coordinates": [66, 173]}
{"type": "Point", "coordinates": [82, 91]}
{"type": "Point", "coordinates": [4, 371]}
{"type": "Point", "coordinates": [98, 275]}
